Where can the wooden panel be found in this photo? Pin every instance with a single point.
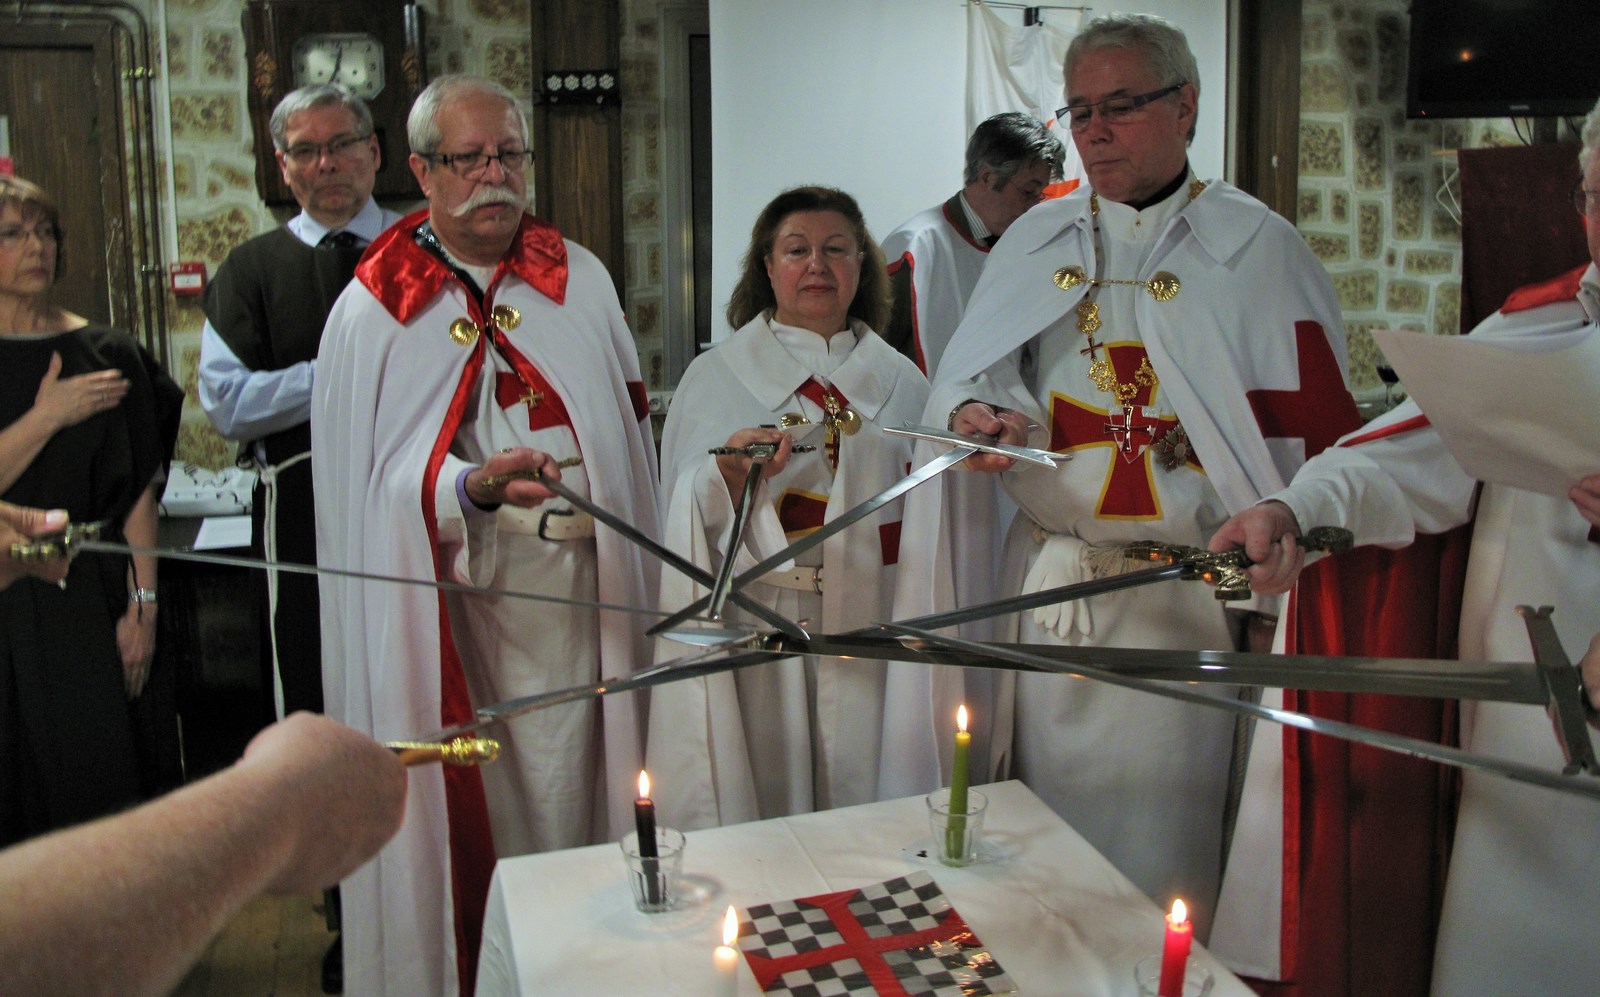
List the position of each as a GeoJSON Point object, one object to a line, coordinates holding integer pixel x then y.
{"type": "Point", "coordinates": [1269, 102]}
{"type": "Point", "coordinates": [578, 169]}
{"type": "Point", "coordinates": [64, 130]}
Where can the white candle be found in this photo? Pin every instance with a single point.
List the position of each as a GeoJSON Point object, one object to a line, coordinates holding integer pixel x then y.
{"type": "Point", "coordinates": [726, 958]}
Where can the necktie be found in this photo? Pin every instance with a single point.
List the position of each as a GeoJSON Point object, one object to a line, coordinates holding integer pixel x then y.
{"type": "Point", "coordinates": [990, 240]}
{"type": "Point", "coordinates": [339, 240]}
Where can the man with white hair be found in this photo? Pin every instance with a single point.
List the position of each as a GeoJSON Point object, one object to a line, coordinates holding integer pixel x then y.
{"type": "Point", "coordinates": [1523, 855]}
{"type": "Point", "coordinates": [1180, 343]}
{"type": "Point", "coordinates": [476, 343]}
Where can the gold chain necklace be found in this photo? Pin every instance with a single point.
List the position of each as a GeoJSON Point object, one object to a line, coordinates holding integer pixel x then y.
{"type": "Point", "coordinates": [1162, 286]}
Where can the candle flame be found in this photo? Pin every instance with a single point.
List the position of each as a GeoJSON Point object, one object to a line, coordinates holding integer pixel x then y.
{"type": "Point", "coordinates": [1180, 913]}
{"type": "Point", "coordinates": [961, 718]}
{"type": "Point", "coordinates": [644, 785]}
{"type": "Point", "coordinates": [730, 927]}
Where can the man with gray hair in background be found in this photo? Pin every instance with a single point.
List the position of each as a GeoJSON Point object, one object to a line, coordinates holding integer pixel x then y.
{"type": "Point", "coordinates": [264, 315]}
{"type": "Point", "coordinates": [474, 347]}
{"type": "Point", "coordinates": [936, 255]}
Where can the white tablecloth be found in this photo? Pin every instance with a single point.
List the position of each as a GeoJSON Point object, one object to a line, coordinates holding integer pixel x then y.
{"type": "Point", "coordinates": [1058, 917]}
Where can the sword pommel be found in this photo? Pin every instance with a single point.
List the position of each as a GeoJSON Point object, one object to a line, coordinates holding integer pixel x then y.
{"type": "Point", "coordinates": [1330, 539]}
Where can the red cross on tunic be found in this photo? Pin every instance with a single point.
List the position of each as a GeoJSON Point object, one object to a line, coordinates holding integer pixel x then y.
{"type": "Point", "coordinates": [1129, 489]}
{"type": "Point", "coordinates": [545, 408]}
{"type": "Point", "coordinates": [1321, 410]}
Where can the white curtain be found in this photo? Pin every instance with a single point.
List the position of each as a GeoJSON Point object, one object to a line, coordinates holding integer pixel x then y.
{"type": "Point", "coordinates": [1018, 68]}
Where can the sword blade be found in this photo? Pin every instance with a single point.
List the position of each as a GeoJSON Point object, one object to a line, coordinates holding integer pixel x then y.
{"type": "Point", "coordinates": [689, 666]}
{"type": "Point", "coordinates": [293, 568]}
{"type": "Point", "coordinates": [1498, 681]}
{"type": "Point", "coordinates": [1029, 455]}
{"type": "Point", "coordinates": [1580, 786]}
{"type": "Point", "coordinates": [828, 529]}
{"type": "Point", "coordinates": [1049, 597]}
{"type": "Point", "coordinates": [741, 516]}
{"type": "Point", "coordinates": [672, 558]}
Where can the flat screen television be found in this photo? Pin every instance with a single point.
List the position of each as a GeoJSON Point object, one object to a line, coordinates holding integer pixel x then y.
{"type": "Point", "coordinates": [1503, 58]}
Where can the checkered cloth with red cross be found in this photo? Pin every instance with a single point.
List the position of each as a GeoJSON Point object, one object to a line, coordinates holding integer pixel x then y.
{"type": "Point", "coordinates": [899, 938]}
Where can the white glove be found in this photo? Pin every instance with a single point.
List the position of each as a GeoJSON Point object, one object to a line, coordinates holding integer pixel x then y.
{"type": "Point", "coordinates": [1062, 560]}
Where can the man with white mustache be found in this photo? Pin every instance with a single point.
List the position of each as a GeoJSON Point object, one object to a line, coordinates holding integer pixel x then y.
{"type": "Point", "coordinates": [475, 342]}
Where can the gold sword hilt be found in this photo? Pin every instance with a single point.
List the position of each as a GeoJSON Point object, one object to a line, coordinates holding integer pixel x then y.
{"type": "Point", "coordinates": [461, 751]}
{"type": "Point", "coordinates": [533, 474]}
{"type": "Point", "coordinates": [1226, 570]}
{"type": "Point", "coordinates": [54, 546]}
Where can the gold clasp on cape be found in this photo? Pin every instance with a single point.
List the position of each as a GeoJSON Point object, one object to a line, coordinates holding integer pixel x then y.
{"type": "Point", "coordinates": [464, 332]}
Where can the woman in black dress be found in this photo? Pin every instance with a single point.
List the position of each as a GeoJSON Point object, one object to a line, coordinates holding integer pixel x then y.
{"type": "Point", "coordinates": [87, 423]}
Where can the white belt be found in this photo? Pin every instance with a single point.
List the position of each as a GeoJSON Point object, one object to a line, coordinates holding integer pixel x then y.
{"type": "Point", "coordinates": [546, 524]}
{"type": "Point", "coordinates": [801, 579]}
{"type": "Point", "coordinates": [269, 548]}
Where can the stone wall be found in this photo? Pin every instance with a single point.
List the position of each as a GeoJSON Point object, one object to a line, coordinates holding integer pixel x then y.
{"type": "Point", "coordinates": [1376, 190]}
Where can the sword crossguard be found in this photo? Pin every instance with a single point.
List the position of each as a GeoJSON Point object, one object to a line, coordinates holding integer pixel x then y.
{"type": "Point", "coordinates": [55, 546]}
{"type": "Point", "coordinates": [1226, 570]}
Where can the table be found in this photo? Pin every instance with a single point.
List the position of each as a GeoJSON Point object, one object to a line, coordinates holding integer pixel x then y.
{"type": "Point", "coordinates": [1058, 916]}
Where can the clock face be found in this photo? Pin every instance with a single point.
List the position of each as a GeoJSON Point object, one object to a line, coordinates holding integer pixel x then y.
{"type": "Point", "coordinates": [354, 60]}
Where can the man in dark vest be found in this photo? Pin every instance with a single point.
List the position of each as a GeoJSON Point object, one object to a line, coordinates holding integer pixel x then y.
{"type": "Point", "coordinates": [264, 315]}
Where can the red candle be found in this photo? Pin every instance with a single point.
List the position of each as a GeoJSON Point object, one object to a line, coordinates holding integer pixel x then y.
{"type": "Point", "coordinates": [1175, 951]}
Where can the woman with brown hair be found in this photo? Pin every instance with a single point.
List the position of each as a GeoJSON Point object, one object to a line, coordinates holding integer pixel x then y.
{"type": "Point", "coordinates": [87, 423]}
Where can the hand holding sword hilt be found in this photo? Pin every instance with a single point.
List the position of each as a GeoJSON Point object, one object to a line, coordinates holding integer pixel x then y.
{"type": "Point", "coordinates": [530, 474]}
{"type": "Point", "coordinates": [56, 545]}
{"type": "Point", "coordinates": [461, 751]}
{"type": "Point", "coordinates": [1228, 570]}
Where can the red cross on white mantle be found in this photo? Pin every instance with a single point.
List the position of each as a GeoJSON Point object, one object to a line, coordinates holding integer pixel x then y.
{"type": "Point", "coordinates": [1321, 410]}
{"type": "Point", "coordinates": [1129, 489]}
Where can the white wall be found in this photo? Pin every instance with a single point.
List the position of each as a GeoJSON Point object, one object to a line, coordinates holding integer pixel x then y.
{"type": "Point", "coordinates": [868, 96]}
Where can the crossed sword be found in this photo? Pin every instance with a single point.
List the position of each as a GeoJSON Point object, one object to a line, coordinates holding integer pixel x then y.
{"type": "Point", "coordinates": [1551, 681]}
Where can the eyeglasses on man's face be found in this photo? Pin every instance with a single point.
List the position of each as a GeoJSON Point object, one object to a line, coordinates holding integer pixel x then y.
{"type": "Point", "coordinates": [1113, 110]}
{"type": "Point", "coordinates": [347, 148]}
{"type": "Point", "coordinates": [472, 165]}
{"type": "Point", "coordinates": [1586, 201]}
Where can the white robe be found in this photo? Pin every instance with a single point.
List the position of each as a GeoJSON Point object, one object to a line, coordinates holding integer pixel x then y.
{"type": "Point", "coordinates": [945, 263]}
{"type": "Point", "coordinates": [800, 734]}
{"type": "Point", "coordinates": [1524, 875]}
{"type": "Point", "coordinates": [1141, 777]}
{"type": "Point", "coordinates": [392, 396]}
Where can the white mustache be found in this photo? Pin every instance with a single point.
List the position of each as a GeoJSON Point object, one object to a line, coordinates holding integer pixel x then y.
{"type": "Point", "coordinates": [485, 196]}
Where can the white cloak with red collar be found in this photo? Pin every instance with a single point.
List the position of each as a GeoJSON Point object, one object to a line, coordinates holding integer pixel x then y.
{"type": "Point", "coordinates": [393, 389]}
{"type": "Point", "coordinates": [800, 734]}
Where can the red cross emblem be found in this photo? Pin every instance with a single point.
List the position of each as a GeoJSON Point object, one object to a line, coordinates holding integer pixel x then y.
{"type": "Point", "coordinates": [1129, 489]}
{"type": "Point", "coordinates": [1321, 409]}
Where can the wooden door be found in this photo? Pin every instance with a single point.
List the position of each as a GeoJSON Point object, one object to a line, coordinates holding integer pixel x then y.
{"type": "Point", "coordinates": [58, 90]}
{"type": "Point", "coordinates": [577, 137]}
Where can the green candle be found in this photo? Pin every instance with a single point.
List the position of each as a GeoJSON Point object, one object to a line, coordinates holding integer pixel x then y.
{"type": "Point", "coordinates": [956, 830]}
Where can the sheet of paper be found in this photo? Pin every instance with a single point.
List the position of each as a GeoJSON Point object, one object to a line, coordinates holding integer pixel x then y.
{"type": "Point", "coordinates": [1511, 413]}
{"type": "Point", "coordinates": [223, 532]}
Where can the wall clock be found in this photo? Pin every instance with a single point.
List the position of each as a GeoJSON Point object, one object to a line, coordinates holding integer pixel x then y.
{"type": "Point", "coordinates": [354, 60]}
{"type": "Point", "coordinates": [374, 47]}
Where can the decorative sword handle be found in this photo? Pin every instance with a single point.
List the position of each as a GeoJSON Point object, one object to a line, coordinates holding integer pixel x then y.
{"type": "Point", "coordinates": [1226, 570]}
{"type": "Point", "coordinates": [56, 545]}
{"type": "Point", "coordinates": [461, 751]}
